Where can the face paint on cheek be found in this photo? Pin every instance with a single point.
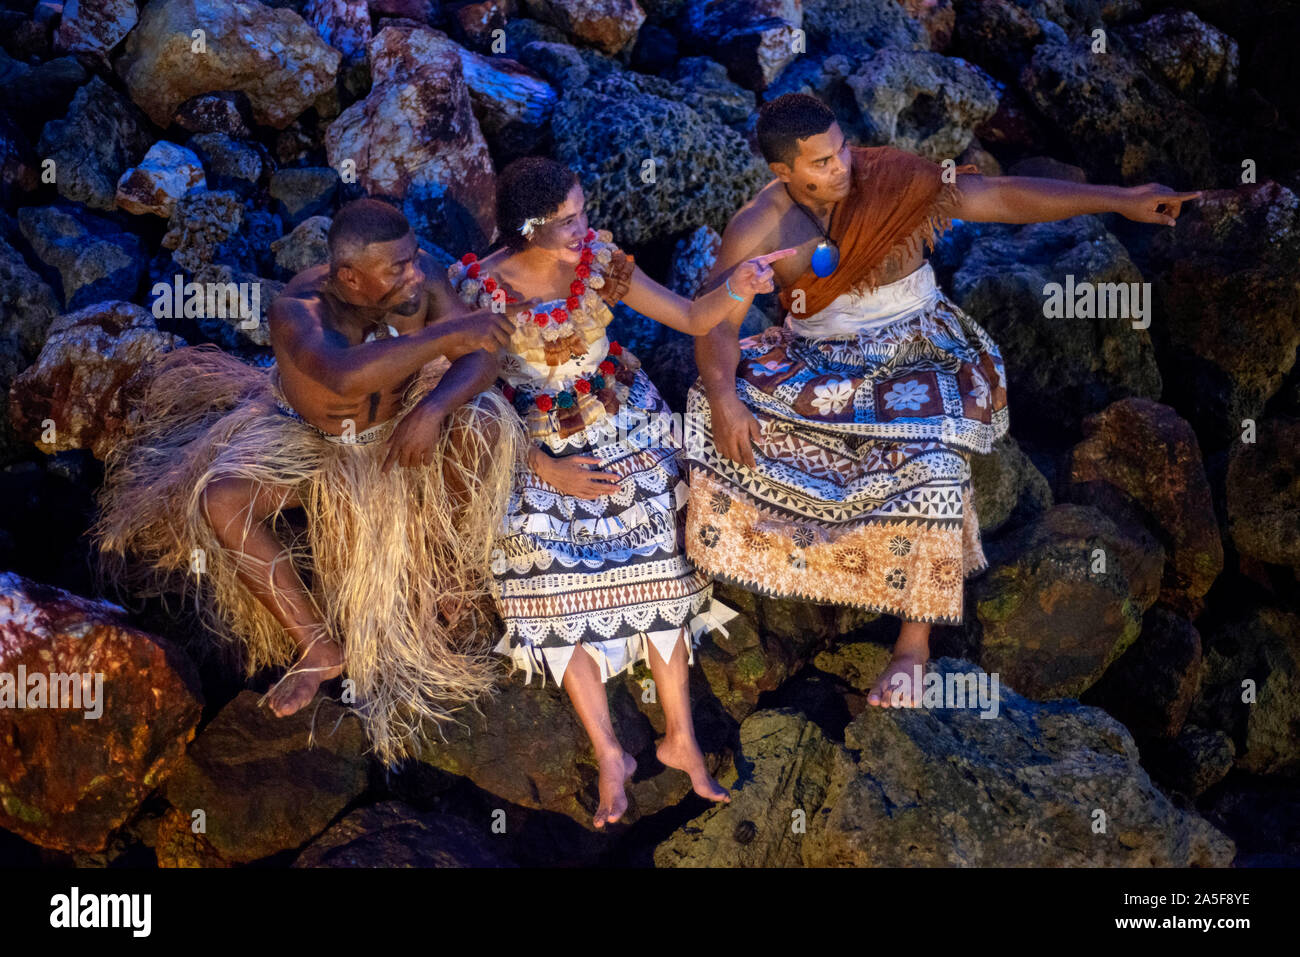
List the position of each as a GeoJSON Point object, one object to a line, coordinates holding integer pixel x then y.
{"type": "Point", "coordinates": [812, 187]}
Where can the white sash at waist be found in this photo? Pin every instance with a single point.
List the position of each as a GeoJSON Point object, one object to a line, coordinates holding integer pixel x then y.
{"type": "Point", "coordinates": [851, 314]}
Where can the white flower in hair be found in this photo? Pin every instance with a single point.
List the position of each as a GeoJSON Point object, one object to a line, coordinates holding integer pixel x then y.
{"type": "Point", "coordinates": [531, 223]}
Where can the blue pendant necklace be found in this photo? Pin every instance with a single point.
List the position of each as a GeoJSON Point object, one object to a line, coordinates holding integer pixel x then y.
{"type": "Point", "coordinates": [827, 254]}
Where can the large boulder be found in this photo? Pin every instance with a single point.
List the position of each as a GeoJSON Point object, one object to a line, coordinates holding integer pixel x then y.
{"type": "Point", "coordinates": [1251, 687]}
{"type": "Point", "coordinates": [94, 715]}
{"type": "Point", "coordinates": [1038, 785]}
{"type": "Point", "coordinates": [753, 39]}
{"type": "Point", "coordinates": [29, 306]}
{"type": "Point", "coordinates": [1059, 368]}
{"type": "Point", "coordinates": [416, 130]}
{"type": "Point", "coordinates": [1063, 599]}
{"type": "Point", "coordinates": [94, 26]}
{"type": "Point", "coordinates": [922, 102]}
{"type": "Point", "coordinates": [607, 25]}
{"type": "Point", "coordinates": [611, 132]}
{"type": "Point", "coordinates": [266, 784]}
{"type": "Point", "coordinates": [1140, 461]}
{"type": "Point", "coordinates": [1228, 305]}
{"type": "Point", "coordinates": [100, 136]}
{"type": "Point", "coordinates": [857, 29]}
{"type": "Point", "coordinates": [393, 834]}
{"type": "Point", "coordinates": [1125, 126]}
{"type": "Point", "coordinates": [269, 53]}
{"type": "Point", "coordinates": [76, 383]}
{"type": "Point", "coordinates": [1263, 493]}
{"type": "Point", "coordinates": [513, 104]}
{"type": "Point", "coordinates": [94, 258]}
{"type": "Point", "coordinates": [166, 173]}
{"type": "Point", "coordinates": [1007, 486]}
{"type": "Point", "coordinates": [1193, 58]}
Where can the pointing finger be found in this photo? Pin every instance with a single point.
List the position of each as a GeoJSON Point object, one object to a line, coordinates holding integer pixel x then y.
{"type": "Point", "coordinates": [773, 257]}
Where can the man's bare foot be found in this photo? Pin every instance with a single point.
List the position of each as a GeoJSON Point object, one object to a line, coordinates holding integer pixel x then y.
{"type": "Point", "coordinates": [890, 685]}
{"type": "Point", "coordinates": [322, 661]}
{"type": "Point", "coordinates": [686, 756]}
{"type": "Point", "coordinates": [616, 769]}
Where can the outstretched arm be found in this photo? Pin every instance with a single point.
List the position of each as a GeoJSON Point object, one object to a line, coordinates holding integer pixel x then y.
{"type": "Point", "coordinates": [1028, 199]}
{"type": "Point", "coordinates": [727, 304]}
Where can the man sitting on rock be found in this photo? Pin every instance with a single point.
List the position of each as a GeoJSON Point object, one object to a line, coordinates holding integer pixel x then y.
{"type": "Point", "coordinates": [374, 420]}
{"type": "Point", "coordinates": [833, 461]}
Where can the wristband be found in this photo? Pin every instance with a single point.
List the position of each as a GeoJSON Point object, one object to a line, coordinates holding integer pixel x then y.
{"type": "Point", "coordinates": [732, 294]}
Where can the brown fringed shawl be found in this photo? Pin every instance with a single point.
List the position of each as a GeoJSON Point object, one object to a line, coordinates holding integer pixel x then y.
{"type": "Point", "coordinates": [898, 200]}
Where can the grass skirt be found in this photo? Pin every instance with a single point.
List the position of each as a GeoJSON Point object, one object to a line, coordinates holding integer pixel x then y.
{"type": "Point", "coordinates": [379, 551]}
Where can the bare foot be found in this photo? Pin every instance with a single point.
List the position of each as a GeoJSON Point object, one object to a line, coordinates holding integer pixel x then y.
{"type": "Point", "coordinates": [897, 686]}
{"type": "Point", "coordinates": [615, 770]}
{"type": "Point", "coordinates": [686, 756]}
{"type": "Point", "coordinates": [322, 661]}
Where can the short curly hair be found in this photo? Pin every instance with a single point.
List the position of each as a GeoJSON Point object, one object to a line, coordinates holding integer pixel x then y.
{"type": "Point", "coordinates": [528, 187]}
{"type": "Point", "coordinates": [788, 119]}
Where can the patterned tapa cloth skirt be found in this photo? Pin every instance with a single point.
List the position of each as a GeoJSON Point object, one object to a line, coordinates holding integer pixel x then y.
{"type": "Point", "coordinates": [862, 494]}
{"type": "Point", "coordinates": [609, 575]}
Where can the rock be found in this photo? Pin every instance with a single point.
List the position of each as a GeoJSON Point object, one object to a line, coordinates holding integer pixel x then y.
{"type": "Point", "coordinates": [303, 248]}
{"type": "Point", "coordinates": [1227, 297]}
{"type": "Point", "coordinates": [261, 784]}
{"type": "Point", "coordinates": [1193, 762]}
{"type": "Point", "coordinates": [693, 259]}
{"type": "Point", "coordinates": [166, 173]}
{"type": "Point", "coordinates": [768, 642]}
{"type": "Point", "coordinates": [1141, 461]}
{"type": "Point", "coordinates": [608, 25]}
{"type": "Point", "coordinates": [77, 380]}
{"type": "Point", "coordinates": [18, 163]}
{"type": "Point", "coordinates": [1059, 369]}
{"type": "Point", "coordinates": [998, 33]}
{"type": "Point", "coordinates": [393, 834]}
{"type": "Point", "coordinates": [754, 39]}
{"type": "Point", "coordinates": [710, 92]}
{"type": "Point", "coordinates": [1051, 623]}
{"type": "Point", "coordinates": [67, 780]}
{"type": "Point", "coordinates": [530, 749]}
{"type": "Point", "coordinates": [1046, 167]}
{"type": "Point", "coordinates": [1263, 493]}
{"type": "Point", "coordinates": [474, 23]}
{"type": "Point", "coordinates": [942, 787]}
{"type": "Point", "coordinates": [922, 102]}
{"type": "Point", "coordinates": [177, 844]}
{"type": "Point", "coordinates": [1193, 58]}
{"type": "Point", "coordinates": [271, 55]}
{"type": "Point", "coordinates": [228, 163]}
{"type": "Point", "coordinates": [1249, 691]}
{"type": "Point", "coordinates": [1126, 127]}
{"type": "Point", "coordinates": [703, 170]}
{"type": "Point", "coordinates": [93, 145]}
{"type": "Point", "coordinates": [559, 63]}
{"type": "Point", "coordinates": [418, 10]}
{"type": "Point", "coordinates": [35, 93]}
{"type": "Point", "coordinates": [228, 112]}
{"type": "Point", "coordinates": [1007, 484]}
{"type": "Point", "coordinates": [303, 193]}
{"type": "Point", "coordinates": [95, 259]}
{"type": "Point", "coordinates": [511, 102]}
{"type": "Point", "coordinates": [344, 25]}
{"type": "Point", "coordinates": [1150, 688]}
{"type": "Point", "coordinates": [417, 131]}
{"type": "Point", "coordinates": [94, 26]}
{"type": "Point", "coordinates": [858, 29]}
{"type": "Point", "coordinates": [29, 306]}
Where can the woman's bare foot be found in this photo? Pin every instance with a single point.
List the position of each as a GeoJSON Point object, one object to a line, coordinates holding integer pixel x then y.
{"type": "Point", "coordinates": [323, 660]}
{"type": "Point", "coordinates": [615, 770]}
{"type": "Point", "coordinates": [686, 756]}
{"type": "Point", "coordinates": [889, 684]}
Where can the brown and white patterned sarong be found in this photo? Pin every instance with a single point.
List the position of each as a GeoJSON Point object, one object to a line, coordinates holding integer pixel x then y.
{"type": "Point", "coordinates": [862, 495]}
